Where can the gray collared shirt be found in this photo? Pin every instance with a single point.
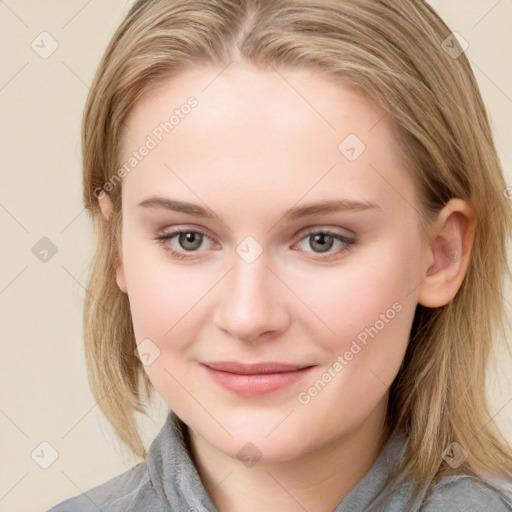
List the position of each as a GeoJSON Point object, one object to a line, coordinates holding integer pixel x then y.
{"type": "Point", "coordinates": [168, 481]}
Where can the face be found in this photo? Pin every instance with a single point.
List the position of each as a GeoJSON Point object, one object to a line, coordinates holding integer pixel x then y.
{"type": "Point", "coordinates": [256, 325]}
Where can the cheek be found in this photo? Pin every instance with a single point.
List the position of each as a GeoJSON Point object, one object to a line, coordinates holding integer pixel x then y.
{"type": "Point", "coordinates": [367, 290]}
{"type": "Point", "coordinates": [165, 302]}
{"type": "Point", "coordinates": [161, 294]}
{"type": "Point", "coordinates": [379, 315]}
{"type": "Point", "coordinates": [169, 305]}
{"type": "Point", "coordinates": [371, 313]}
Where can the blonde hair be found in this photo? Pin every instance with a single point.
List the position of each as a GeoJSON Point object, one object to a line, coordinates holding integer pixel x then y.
{"type": "Point", "coordinates": [392, 51]}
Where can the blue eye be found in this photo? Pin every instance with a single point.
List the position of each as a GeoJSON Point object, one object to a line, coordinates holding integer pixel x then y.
{"type": "Point", "coordinates": [189, 241]}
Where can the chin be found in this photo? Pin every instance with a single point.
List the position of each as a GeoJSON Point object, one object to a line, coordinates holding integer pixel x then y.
{"type": "Point", "coordinates": [256, 437]}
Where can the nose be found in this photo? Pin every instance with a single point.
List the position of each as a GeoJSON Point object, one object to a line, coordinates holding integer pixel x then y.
{"type": "Point", "coordinates": [252, 302]}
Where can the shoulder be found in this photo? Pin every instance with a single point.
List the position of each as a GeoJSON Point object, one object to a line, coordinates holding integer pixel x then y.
{"type": "Point", "coordinates": [123, 493]}
{"type": "Point", "coordinates": [464, 493]}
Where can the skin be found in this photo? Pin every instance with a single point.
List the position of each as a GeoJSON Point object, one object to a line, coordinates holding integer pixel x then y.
{"type": "Point", "coordinates": [252, 148]}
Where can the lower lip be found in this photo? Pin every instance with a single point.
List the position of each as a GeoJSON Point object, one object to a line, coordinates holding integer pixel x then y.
{"type": "Point", "coordinates": [256, 384]}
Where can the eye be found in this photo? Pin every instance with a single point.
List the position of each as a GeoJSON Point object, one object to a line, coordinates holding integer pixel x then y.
{"type": "Point", "coordinates": [189, 241]}
{"type": "Point", "coordinates": [322, 241]}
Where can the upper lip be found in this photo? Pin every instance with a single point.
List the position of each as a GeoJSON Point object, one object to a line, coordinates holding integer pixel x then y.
{"type": "Point", "coordinates": [254, 368]}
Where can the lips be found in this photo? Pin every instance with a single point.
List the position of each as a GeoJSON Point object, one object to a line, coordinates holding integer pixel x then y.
{"type": "Point", "coordinates": [256, 378]}
{"type": "Point", "coordinates": [255, 368]}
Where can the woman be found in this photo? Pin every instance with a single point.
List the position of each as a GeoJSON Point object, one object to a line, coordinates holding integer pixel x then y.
{"type": "Point", "coordinates": [302, 236]}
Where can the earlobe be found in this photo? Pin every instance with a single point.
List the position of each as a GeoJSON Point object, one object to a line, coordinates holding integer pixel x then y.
{"type": "Point", "coordinates": [120, 278]}
{"type": "Point", "coordinates": [107, 208]}
{"type": "Point", "coordinates": [450, 250]}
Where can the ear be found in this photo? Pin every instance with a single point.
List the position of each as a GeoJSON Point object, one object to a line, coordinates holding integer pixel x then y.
{"type": "Point", "coordinates": [107, 209]}
{"type": "Point", "coordinates": [448, 253]}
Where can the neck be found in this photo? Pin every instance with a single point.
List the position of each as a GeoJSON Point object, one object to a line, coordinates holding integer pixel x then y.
{"type": "Point", "coordinates": [316, 480]}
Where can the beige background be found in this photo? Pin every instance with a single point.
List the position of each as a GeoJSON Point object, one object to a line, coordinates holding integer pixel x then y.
{"type": "Point", "coordinates": [45, 395]}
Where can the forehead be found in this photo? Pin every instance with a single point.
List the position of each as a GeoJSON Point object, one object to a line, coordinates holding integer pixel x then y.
{"type": "Point", "coordinates": [282, 134]}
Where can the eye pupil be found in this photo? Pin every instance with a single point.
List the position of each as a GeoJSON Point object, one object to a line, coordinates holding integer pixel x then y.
{"type": "Point", "coordinates": [188, 238]}
{"type": "Point", "coordinates": [320, 238]}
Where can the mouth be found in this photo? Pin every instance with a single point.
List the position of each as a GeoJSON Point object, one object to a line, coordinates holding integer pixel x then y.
{"type": "Point", "coordinates": [257, 378]}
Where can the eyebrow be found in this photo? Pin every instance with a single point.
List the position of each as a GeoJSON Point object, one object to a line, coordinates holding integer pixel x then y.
{"type": "Point", "coordinates": [291, 214]}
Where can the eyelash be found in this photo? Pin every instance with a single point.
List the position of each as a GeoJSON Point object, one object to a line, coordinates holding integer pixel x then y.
{"type": "Point", "coordinates": [348, 242]}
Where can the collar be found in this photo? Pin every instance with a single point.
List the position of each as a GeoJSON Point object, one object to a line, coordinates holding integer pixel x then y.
{"type": "Point", "coordinates": [172, 471]}
{"type": "Point", "coordinates": [176, 480]}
